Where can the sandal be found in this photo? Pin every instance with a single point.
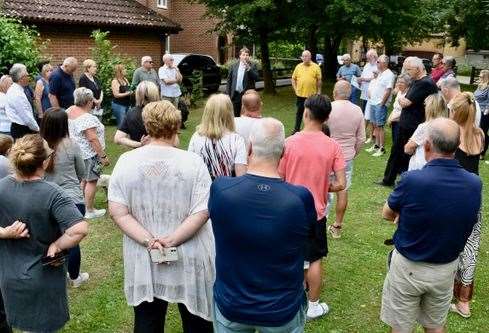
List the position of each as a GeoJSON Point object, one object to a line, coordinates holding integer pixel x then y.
{"type": "Point", "coordinates": [454, 308]}
{"type": "Point", "coordinates": [335, 231]}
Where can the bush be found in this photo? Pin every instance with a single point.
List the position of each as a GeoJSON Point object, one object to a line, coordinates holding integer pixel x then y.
{"type": "Point", "coordinates": [105, 57]}
{"type": "Point", "coordinates": [19, 44]}
{"type": "Point", "coordinates": [193, 91]}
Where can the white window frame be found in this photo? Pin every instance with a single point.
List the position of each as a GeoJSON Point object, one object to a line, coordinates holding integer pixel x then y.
{"type": "Point", "coordinates": [162, 4]}
{"type": "Point", "coordinates": [167, 44]}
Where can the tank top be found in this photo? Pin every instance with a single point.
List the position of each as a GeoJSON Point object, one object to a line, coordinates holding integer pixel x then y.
{"type": "Point", "coordinates": [468, 162]}
{"type": "Point", "coordinates": [126, 101]}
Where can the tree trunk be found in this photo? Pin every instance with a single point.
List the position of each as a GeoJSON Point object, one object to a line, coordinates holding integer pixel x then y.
{"type": "Point", "coordinates": [269, 87]}
{"type": "Point", "coordinates": [331, 46]}
{"type": "Point", "coordinates": [312, 41]}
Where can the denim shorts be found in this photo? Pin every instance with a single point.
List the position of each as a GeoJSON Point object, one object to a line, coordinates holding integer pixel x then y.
{"type": "Point", "coordinates": [223, 325]}
{"type": "Point", "coordinates": [379, 114]}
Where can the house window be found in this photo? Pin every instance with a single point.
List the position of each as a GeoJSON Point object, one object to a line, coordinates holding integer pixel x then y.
{"type": "Point", "coordinates": [167, 44]}
{"type": "Point", "coordinates": [162, 3]}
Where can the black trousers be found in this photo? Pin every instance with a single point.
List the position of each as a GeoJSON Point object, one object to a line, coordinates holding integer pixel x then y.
{"type": "Point", "coordinates": [300, 112]}
{"type": "Point", "coordinates": [149, 317]}
{"type": "Point", "coordinates": [236, 99]}
{"type": "Point", "coordinates": [17, 131]}
{"type": "Point", "coordinates": [485, 128]}
{"type": "Point", "coordinates": [4, 327]}
{"type": "Point", "coordinates": [398, 161]}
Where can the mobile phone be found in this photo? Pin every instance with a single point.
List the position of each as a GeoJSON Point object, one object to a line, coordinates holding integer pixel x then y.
{"type": "Point", "coordinates": [168, 254]}
{"type": "Point", "coordinates": [59, 257]}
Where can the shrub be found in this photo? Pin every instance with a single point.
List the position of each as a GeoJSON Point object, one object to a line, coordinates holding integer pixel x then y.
{"type": "Point", "coordinates": [193, 90]}
{"type": "Point", "coordinates": [105, 57]}
{"type": "Point", "coordinates": [19, 44]}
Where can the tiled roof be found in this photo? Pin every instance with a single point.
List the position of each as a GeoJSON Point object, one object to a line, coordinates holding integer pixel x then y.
{"type": "Point", "coordinates": [122, 13]}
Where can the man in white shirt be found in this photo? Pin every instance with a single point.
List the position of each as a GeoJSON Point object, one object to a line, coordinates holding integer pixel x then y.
{"type": "Point", "coordinates": [19, 110]}
{"type": "Point", "coordinates": [379, 92]}
{"type": "Point", "coordinates": [250, 114]}
{"type": "Point", "coordinates": [170, 79]}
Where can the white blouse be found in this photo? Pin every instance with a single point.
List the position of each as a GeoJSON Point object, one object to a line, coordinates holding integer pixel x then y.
{"type": "Point", "coordinates": [162, 186]}
{"type": "Point", "coordinates": [77, 128]}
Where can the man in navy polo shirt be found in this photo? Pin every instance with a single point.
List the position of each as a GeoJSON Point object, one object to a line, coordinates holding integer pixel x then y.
{"type": "Point", "coordinates": [62, 85]}
{"type": "Point", "coordinates": [436, 208]}
{"type": "Point", "coordinates": [261, 225]}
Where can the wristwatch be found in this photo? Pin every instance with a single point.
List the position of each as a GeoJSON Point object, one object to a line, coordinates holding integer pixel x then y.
{"type": "Point", "coordinates": [146, 242]}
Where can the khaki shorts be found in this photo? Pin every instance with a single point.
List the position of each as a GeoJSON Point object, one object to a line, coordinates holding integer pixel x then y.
{"type": "Point", "coordinates": [417, 291]}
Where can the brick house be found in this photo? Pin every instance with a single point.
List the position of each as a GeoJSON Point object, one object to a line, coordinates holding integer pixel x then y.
{"type": "Point", "coordinates": [138, 27]}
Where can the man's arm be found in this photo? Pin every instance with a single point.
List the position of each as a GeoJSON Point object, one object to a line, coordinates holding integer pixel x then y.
{"type": "Point", "coordinates": [54, 100]}
{"type": "Point", "coordinates": [253, 72]}
{"type": "Point", "coordinates": [360, 137]}
{"type": "Point", "coordinates": [385, 98]}
{"type": "Point", "coordinates": [319, 82]}
{"type": "Point", "coordinates": [389, 214]}
{"type": "Point", "coordinates": [229, 81]}
{"type": "Point", "coordinates": [25, 113]}
{"type": "Point", "coordinates": [339, 183]}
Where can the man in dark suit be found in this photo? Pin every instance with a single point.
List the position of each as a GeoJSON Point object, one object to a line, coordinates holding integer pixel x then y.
{"type": "Point", "coordinates": [242, 76]}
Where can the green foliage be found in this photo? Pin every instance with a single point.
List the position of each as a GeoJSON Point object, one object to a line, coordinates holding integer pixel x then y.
{"type": "Point", "coordinates": [468, 19]}
{"type": "Point", "coordinates": [19, 44]}
{"type": "Point", "coordinates": [286, 49]}
{"type": "Point", "coordinates": [105, 57]}
{"type": "Point", "coordinates": [194, 91]}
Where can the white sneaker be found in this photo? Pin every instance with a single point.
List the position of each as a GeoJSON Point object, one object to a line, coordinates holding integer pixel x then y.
{"type": "Point", "coordinates": [81, 279]}
{"type": "Point", "coordinates": [369, 141]}
{"type": "Point", "coordinates": [372, 149]}
{"type": "Point", "coordinates": [316, 310]}
{"type": "Point", "coordinates": [96, 213]}
{"type": "Point", "coordinates": [379, 152]}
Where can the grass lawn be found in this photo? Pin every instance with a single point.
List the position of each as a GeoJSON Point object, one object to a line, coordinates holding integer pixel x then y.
{"type": "Point", "coordinates": [354, 269]}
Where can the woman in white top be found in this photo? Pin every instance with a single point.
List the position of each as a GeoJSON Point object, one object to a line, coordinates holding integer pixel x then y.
{"type": "Point", "coordinates": [434, 108]}
{"type": "Point", "coordinates": [402, 85]}
{"type": "Point", "coordinates": [364, 80]}
{"type": "Point", "coordinates": [5, 123]}
{"type": "Point", "coordinates": [158, 197]}
{"type": "Point", "coordinates": [223, 150]}
{"type": "Point", "coordinates": [89, 133]}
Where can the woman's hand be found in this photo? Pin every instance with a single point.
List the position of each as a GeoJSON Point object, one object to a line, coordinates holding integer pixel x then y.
{"type": "Point", "coordinates": [168, 241]}
{"type": "Point", "coordinates": [15, 231]}
{"type": "Point", "coordinates": [105, 161]}
{"type": "Point", "coordinates": [53, 250]}
{"type": "Point", "coordinates": [145, 139]}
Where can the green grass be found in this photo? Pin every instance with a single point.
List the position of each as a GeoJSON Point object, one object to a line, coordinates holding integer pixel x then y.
{"type": "Point", "coordinates": [354, 269]}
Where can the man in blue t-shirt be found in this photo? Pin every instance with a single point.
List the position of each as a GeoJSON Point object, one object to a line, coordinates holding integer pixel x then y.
{"type": "Point", "coordinates": [62, 85]}
{"type": "Point", "coordinates": [261, 226]}
{"type": "Point", "coordinates": [437, 208]}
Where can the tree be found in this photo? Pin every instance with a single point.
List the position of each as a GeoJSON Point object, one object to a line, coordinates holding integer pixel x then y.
{"type": "Point", "coordinates": [261, 20]}
{"type": "Point", "coordinates": [19, 44]}
{"type": "Point", "coordinates": [468, 19]}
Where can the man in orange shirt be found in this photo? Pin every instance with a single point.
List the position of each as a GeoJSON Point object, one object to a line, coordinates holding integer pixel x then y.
{"type": "Point", "coordinates": [310, 156]}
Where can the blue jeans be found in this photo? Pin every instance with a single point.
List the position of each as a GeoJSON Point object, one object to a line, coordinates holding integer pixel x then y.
{"type": "Point", "coordinates": [379, 114]}
{"type": "Point", "coordinates": [223, 325]}
{"type": "Point", "coordinates": [119, 111]}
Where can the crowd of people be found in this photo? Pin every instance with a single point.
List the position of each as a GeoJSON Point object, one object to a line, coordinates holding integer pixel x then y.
{"type": "Point", "coordinates": [258, 264]}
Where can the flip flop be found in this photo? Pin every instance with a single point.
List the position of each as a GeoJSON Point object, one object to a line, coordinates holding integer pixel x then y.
{"type": "Point", "coordinates": [455, 309]}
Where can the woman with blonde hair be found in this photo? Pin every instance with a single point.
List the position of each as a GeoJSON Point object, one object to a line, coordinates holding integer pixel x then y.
{"type": "Point", "coordinates": [434, 108]}
{"type": "Point", "coordinates": [32, 274]}
{"type": "Point", "coordinates": [482, 97]}
{"type": "Point", "coordinates": [132, 133]}
{"type": "Point", "coordinates": [89, 81]}
{"type": "Point", "coordinates": [41, 92]}
{"type": "Point", "coordinates": [158, 197]}
{"type": "Point", "coordinates": [221, 148]}
{"type": "Point", "coordinates": [463, 111]}
{"type": "Point", "coordinates": [121, 94]}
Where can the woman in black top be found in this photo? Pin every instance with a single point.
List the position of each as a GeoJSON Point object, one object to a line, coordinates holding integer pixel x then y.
{"type": "Point", "coordinates": [88, 80]}
{"type": "Point", "coordinates": [131, 132]}
{"type": "Point", "coordinates": [121, 94]}
{"type": "Point", "coordinates": [463, 111]}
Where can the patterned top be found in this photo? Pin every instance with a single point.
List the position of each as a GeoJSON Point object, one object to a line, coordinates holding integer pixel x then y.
{"type": "Point", "coordinates": [4, 121]}
{"type": "Point", "coordinates": [162, 186]}
{"type": "Point", "coordinates": [221, 155]}
{"type": "Point", "coordinates": [77, 128]}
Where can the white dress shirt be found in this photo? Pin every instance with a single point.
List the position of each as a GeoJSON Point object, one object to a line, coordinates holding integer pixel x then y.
{"type": "Point", "coordinates": [18, 109]}
{"type": "Point", "coordinates": [240, 77]}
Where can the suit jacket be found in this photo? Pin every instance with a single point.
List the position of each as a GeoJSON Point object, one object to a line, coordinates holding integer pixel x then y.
{"type": "Point", "coordinates": [249, 79]}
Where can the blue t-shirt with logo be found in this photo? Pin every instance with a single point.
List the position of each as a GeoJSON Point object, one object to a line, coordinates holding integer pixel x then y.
{"type": "Point", "coordinates": [261, 227]}
{"type": "Point", "coordinates": [438, 207]}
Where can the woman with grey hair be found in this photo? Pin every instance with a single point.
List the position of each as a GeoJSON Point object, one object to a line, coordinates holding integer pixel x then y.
{"type": "Point", "coordinates": [402, 85]}
{"type": "Point", "coordinates": [89, 133]}
{"type": "Point", "coordinates": [41, 92]}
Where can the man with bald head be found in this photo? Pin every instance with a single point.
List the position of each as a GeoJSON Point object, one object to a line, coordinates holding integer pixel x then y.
{"type": "Point", "coordinates": [306, 81]}
{"type": "Point", "coordinates": [170, 78]}
{"type": "Point", "coordinates": [435, 208]}
{"type": "Point", "coordinates": [145, 73]}
{"type": "Point", "coordinates": [346, 126]}
{"type": "Point", "coordinates": [253, 217]}
{"type": "Point", "coordinates": [250, 114]}
{"type": "Point", "coordinates": [62, 84]}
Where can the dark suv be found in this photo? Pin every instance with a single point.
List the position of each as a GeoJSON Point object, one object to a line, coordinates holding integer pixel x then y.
{"type": "Point", "coordinates": [189, 62]}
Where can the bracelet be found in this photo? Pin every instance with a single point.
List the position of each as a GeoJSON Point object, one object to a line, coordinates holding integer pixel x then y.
{"type": "Point", "coordinates": [105, 156]}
